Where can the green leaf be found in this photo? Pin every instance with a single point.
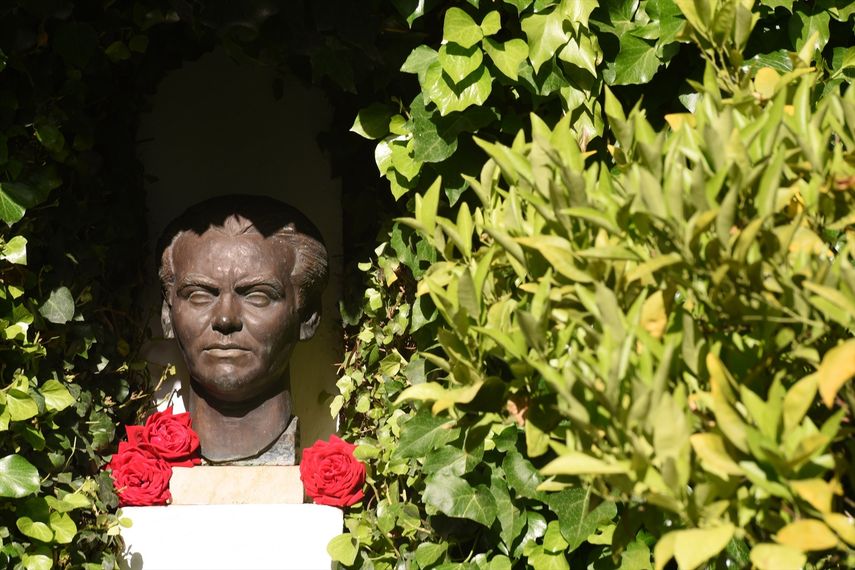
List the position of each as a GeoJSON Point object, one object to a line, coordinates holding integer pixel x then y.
{"type": "Point", "coordinates": [15, 199]}
{"type": "Point", "coordinates": [578, 10]}
{"type": "Point", "coordinates": [15, 250]}
{"type": "Point", "coordinates": [559, 253]}
{"type": "Point", "coordinates": [507, 56]}
{"type": "Point", "coordinates": [422, 433]}
{"type": "Point", "coordinates": [57, 397]}
{"type": "Point", "coordinates": [460, 28]}
{"type": "Point", "coordinates": [34, 529]}
{"type": "Point", "coordinates": [635, 63]}
{"type": "Point", "coordinates": [63, 528]}
{"type": "Point", "coordinates": [20, 406]}
{"type": "Point", "coordinates": [37, 561]}
{"type": "Point", "coordinates": [521, 475]}
{"type": "Point", "coordinates": [542, 560]}
{"type": "Point", "coordinates": [458, 62]}
{"type": "Point", "coordinates": [545, 34]}
{"type": "Point", "coordinates": [553, 541]}
{"type": "Point", "coordinates": [117, 51]}
{"type": "Point", "coordinates": [343, 548]}
{"type": "Point", "coordinates": [372, 122]}
{"type": "Point", "coordinates": [419, 60]}
{"type": "Point", "coordinates": [491, 23]}
{"type": "Point", "coordinates": [18, 477]}
{"type": "Point", "coordinates": [806, 21]}
{"type": "Point", "coordinates": [577, 524]}
{"type": "Point", "coordinates": [455, 497]}
{"type": "Point", "coordinates": [448, 96]}
{"type": "Point", "coordinates": [59, 308]}
{"type": "Point", "coordinates": [428, 553]}
{"type": "Point", "coordinates": [49, 135]}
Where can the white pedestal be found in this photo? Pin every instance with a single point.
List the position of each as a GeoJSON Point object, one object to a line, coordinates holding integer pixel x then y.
{"type": "Point", "coordinates": [230, 537]}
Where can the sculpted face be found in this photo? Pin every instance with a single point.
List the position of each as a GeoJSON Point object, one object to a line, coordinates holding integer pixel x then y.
{"type": "Point", "coordinates": [234, 312]}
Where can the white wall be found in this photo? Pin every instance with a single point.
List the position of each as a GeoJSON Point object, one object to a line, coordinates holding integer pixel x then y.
{"type": "Point", "coordinates": [215, 129]}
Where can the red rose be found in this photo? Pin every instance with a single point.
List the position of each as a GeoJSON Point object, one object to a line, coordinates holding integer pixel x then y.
{"type": "Point", "coordinates": [141, 478]}
{"type": "Point", "coordinates": [331, 474]}
{"type": "Point", "coordinates": [170, 436]}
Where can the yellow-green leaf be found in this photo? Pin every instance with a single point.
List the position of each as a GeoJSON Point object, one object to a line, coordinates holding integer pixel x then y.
{"type": "Point", "coordinates": [768, 556]}
{"type": "Point", "coordinates": [714, 457]}
{"type": "Point", "coordinates": [576, 463]}
{"type": "Point", "coordinates": [817, 492]}
{"type": "Point", "coordinates": [695, 546]}
{"type": "Point", "coordinates": [841, 524]}
{"type": "Point", "coordinates": [836, 368]}
{"type": "Point", "coordinates": [798, 400]}
{"type": "Point", "coordinates": [807, 535]}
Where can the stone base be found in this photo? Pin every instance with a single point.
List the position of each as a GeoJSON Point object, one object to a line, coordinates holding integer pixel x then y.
{"type": "Point", "coordinates": [236, 485]}
{"type": "Point", "coordinates": [228, 537]}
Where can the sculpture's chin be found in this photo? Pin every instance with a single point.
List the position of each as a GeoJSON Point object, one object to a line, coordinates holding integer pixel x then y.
{"type": "Point", "coordinates": [235, 386]}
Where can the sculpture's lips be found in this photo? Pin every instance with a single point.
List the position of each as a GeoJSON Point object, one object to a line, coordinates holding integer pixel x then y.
{"type": "Point", "coordinates": [225, 350]}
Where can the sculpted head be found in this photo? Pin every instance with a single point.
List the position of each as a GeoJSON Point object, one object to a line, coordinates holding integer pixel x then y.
{"type": "Point", "coordinates": [242, 278]}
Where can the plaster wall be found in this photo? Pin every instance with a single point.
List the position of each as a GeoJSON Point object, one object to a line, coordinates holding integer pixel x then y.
{"type": "Point", "coordinates": [215, 128]}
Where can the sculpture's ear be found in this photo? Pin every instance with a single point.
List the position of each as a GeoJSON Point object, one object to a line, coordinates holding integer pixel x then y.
{"type": "Point", "coordinates": [166, 320]}
{"type": "Point", "coordinates": [310, 325]}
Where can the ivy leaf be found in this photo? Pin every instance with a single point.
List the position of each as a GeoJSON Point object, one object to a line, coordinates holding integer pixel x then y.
{"type": "Point", "coordinates": [540, 559]}
{"type": "Point", "coordinates": [372, 122]}
{"type": "Point", "coordinates": [577, 524]}
{"type": "Point", "coordinates": [49, 135]}
{"type": "Point", "coordinates": [507, 56]}
{"type": "Point", "coordinates": [669, 18]}
{"type": "Point", "coordinates": [522, 476]}
{"type": "Point", "coordinates": [59, 308]}
{"type": "Point", "coordinates": [545, 34]}
{"type": "Point", "coordinates": [806, 21]}
{"type": "Point", "coordinates": [449, 97]}
{"type": "Point", "coordinates": [15, 198]}
{"type": "Point", "coordinates": [636, 63]}
{"type": "Point", "coordinates": [455, 497]}
{"type": "Point", "coordinates": [343, 548]}
{"type": "Point", "coordinates": [63, 528]}
{"type": "Point", "coordinates": [422, 433]}
{"type": "Point", "coordinates": [428, 553]}
{"type": "Point", "coordinates": [578, 10]}
{"type": "Point", "coordinates": [419, 60]}
{"type": "Point", "coordinates": [435, 138]}
{"type": "Point", "coordinates": [20, 405]}
{"type": "Point", "coordinates": [15, 250]}
{"type": "Point", "coordinates": [34, 529]}
{"type": "Point", "coordinates": [460, 28]}
{"type": "Point", "coordinates": [57, 396]}
{"type": "Point", "coordinates": [458, 62]}
{"type": "Point", "coordinates": [18, 477]}
{"type": "Point", "coordinates": [583, 53]}
{"type": "Point", "coordinates": [491, 23]}
{"type": "Point", "coordinates": [411, 10]}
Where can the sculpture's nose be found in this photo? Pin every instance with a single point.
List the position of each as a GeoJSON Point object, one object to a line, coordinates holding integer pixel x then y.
{"type": "Point", "coordinates": [227, 315]}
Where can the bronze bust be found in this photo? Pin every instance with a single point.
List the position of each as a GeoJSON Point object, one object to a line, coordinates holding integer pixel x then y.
{"type": "Point", "coordinates": [242, 278]}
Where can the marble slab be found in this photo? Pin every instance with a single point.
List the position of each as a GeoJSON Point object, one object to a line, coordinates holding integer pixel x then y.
{"type": "Point", "coordinates": [229, 537]}
{"type": "Point", "coordinates": [231, 484]}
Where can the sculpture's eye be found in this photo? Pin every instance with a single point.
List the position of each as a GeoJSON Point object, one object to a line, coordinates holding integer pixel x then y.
{"type": "Point", "coordinates": [258, 298]}
{"type": "Point", "coordinates": [200, 297]}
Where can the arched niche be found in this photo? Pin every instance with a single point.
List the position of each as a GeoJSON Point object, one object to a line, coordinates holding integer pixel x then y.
{"type": "Point", "coordinates": [214, 127]}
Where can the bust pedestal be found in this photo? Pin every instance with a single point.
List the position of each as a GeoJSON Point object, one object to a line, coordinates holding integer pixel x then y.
{"type": "Point", "coordinates": [217, 522]}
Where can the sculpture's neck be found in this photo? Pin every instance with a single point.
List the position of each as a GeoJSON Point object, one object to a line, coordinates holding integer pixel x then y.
{"type": "Point", "coordinates": [228, 431]}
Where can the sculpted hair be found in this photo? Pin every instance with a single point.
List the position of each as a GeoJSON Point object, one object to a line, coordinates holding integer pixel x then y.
{"type": "Point", "coordinates": [239, 214]}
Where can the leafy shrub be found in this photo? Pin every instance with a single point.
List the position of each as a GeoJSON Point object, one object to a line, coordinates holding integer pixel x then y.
{"type": "Point", "coordinates": [620, 360]}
